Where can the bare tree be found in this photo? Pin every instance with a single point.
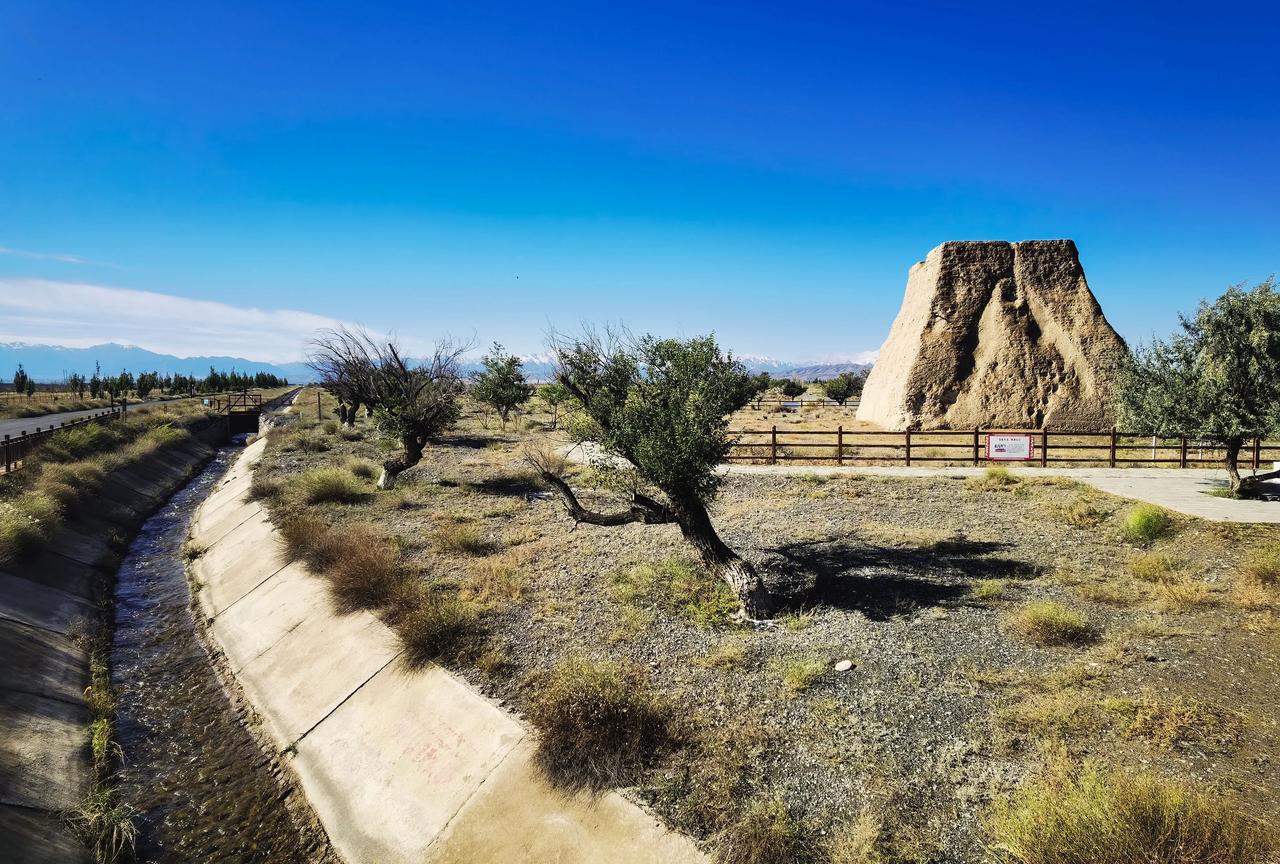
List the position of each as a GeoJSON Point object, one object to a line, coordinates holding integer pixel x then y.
{"type": "Point", "coordinates": [412, 401]}
{"type": "Point", "coordinates": [660, 408]}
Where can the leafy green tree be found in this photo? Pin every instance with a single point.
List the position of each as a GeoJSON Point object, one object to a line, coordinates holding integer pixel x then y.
{"type": "Point", "coordinates": [20, 379]}
{"type": "Point", "coordinates": [844, 386]}
{"type": "Point", "coordinates": [147, 381]}
{"type": "Point", "coordinates": [501, 385]}
{"type": "Point", "coordinates": [554, 394]}
{"type": "Point", "coordinates": [659, 409]}
{"type": "Point", "coordinates": [412, 401]}
{"type": "Point", "coordinates": [29, 387]}
{"type": "Point", "coordinates": [76, 384]}
{"type": "Point", "coordinates": [95, 383]}
{"type": "Point", "coordinates": [1216, 378]}
{"type": "Point", "coordinates": [792, 388]}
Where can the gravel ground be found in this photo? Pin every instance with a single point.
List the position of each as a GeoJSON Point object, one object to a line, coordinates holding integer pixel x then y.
{"type": "Point", "coordinates": [878, 571]}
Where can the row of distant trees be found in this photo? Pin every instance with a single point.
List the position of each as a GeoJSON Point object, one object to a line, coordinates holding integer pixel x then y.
{"type": "Point", "coordinates": [144, 384]}
{"type": "Point", "coordinates": [656, 410]}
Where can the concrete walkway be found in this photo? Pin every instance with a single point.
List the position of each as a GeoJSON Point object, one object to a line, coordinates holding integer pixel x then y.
{"type": "Point", "coordinates": [399, 765]}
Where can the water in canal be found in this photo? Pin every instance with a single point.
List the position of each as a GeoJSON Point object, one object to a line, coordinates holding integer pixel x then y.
{"type": "Point", "coordinates": [203, 788]}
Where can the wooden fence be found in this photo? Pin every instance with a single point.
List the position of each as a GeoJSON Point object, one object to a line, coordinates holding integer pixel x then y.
{"type": "Point", "coordinates": [14, 451]}
{"type": "Point", "coordinates": [969, 447]}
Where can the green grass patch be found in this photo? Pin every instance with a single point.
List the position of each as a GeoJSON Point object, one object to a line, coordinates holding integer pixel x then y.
{"type": "Point", "coordinates": [1046, 622]}
{"type": "Point", "coordinates": [677, 586]}
{"type": "Point", "coordinates": [331, 485]}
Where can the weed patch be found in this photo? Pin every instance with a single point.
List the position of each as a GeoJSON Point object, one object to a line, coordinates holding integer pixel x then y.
{"type": "Point", "coordinates": [676, 586]}
{"type": "Point", "coordinates": [331, 485]}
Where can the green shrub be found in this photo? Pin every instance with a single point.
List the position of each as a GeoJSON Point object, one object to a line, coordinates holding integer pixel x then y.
{"type": "Point", "coordinates": [767, 833]}
{"type": "Point", "coordinates": [677, 586]}
{"type": "Point", "coordinates": [598, 725]}
{"type": "Point", "coordinates": [1048, 623]}
{"type": "Point", "coordinates": [1147, 523]}
{"type": "Point", "coordinates": [322, 485]}
{"type": "Point", "coordinates": [1096, 816]}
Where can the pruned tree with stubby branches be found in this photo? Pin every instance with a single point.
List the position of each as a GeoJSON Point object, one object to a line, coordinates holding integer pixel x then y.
{"type": "Point", "coordinates": [413, 401]}
{"type": "Point", "coordinates": [659, 411]}
{"type": "Point", "coordinates": [1216, 378]}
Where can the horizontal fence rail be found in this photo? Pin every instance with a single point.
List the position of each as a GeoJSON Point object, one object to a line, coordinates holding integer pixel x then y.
{"type": "Point", "coordinates": [15, 451]}
{"type": "Point", "coordinates": [955, 447]}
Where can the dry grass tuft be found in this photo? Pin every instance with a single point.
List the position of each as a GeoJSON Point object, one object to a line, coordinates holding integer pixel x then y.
{"type": "Point", "coordinates": [988, 589]}
{"type": "Point", "coordinates": [459, 538]}
{"type": "Point", "coordinates": [432, 624]}
{"type": "Point", "coordinates": [768, 833]}
{"type": "Point", "coordinates": [1183, 596]}
{"type": "Point", "coordinates": [365, 469]}
{"type": "Point", "coordinates": [1158, 568]}
{"type": "Point", "coordinates": [598, 724]}
{"type": "Point", "coordinates": [994, 479]}
{"type": "Point", "coordinates": [1048, 623]}
{"type": "Point", "coordinates": [1262, 567]}
{"type": "Point", "coordinates": [1092, 815]}
{"type": "Point", "coordinates": [799, 673]}
{"type": "Point", "coordinates": [365, 573]}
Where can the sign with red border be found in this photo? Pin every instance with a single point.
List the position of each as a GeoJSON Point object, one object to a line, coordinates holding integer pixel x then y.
{"type": "Point", "coordinates": [1010, 446]}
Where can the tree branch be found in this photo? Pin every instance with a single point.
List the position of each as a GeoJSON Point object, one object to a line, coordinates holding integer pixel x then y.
{"type": "Point", "coordinates": [643, 509]}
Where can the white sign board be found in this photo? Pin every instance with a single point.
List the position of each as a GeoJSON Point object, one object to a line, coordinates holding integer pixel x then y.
{"type": "Point", "coordinates": [1010, 447]}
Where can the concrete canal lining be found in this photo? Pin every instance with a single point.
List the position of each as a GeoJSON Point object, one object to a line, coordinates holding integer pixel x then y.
{"type": "Point", "coordinates": [400, 765]}
{"type": "Point", "coordinates": [45, 765]}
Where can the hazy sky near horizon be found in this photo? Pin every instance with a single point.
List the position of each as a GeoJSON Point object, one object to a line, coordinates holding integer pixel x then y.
{"type": "Point", "coordinates": [766, 171]}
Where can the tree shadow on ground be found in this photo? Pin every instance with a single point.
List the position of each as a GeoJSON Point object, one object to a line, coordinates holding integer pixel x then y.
{"type": "Point", "coordinates": [470, 442]}
{"type": "Point", "coordinates": [884, 582]}
{"type": "Point", "coordinates": [519, 484]}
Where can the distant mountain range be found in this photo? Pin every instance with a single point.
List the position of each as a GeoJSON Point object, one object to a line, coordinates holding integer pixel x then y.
{"type": "Point", "coordinates": [47, 363]}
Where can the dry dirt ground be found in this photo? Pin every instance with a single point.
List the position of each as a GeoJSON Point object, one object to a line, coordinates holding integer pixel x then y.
{"type": "Point", "coordinates": [916, 582]}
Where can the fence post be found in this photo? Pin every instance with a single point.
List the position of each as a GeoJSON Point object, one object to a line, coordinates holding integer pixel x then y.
{"type": "Point", "coordinates": [1044, 446]}
{"type": "Point", "coordinates": [975, 446]}
{"type": "Point", "coordinates": [1257, 446]}
{"type": "Point", "coordinates": [773, 446]}
{"type": "Point", "coordinates": [908, 448]}
{"type": "Point", "coordinates": [839, 445]}
{"type": "Point", "coordinates": [319, 416]}
{"type": "Point", "coordinates": [6, 454]}
{"type": "Point", "coordinates": [1112, 460]}
{"type": "Point", "coordinates": [1182, 452]}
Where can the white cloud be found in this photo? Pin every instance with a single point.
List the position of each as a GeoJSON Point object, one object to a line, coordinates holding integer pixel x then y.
{"type": "Point", "coordinates": [53, 256]}
{"type": "Point", "coordinates": [40, 311]}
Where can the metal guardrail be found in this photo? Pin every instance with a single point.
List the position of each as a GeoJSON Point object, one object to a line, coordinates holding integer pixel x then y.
{"type": "Point", "coordinates": [14, 451]}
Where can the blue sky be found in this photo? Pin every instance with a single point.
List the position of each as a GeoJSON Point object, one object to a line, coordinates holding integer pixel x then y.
{"type": "Point", "coordinates": [766, 171]}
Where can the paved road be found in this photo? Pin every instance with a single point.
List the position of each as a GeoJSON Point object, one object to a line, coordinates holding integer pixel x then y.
{"type": "Point", "coordinates": [14, 428]}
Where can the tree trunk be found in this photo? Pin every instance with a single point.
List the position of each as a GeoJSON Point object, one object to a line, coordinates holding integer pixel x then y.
{"type": "Point", "coordinates": [1233, 463]}
{"type": "Point", "coordinates": [721, 561]}
{"type": "Point", "coordinates": [350, 420]}
{"type": "Point", "coordinates": [411, 455]}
